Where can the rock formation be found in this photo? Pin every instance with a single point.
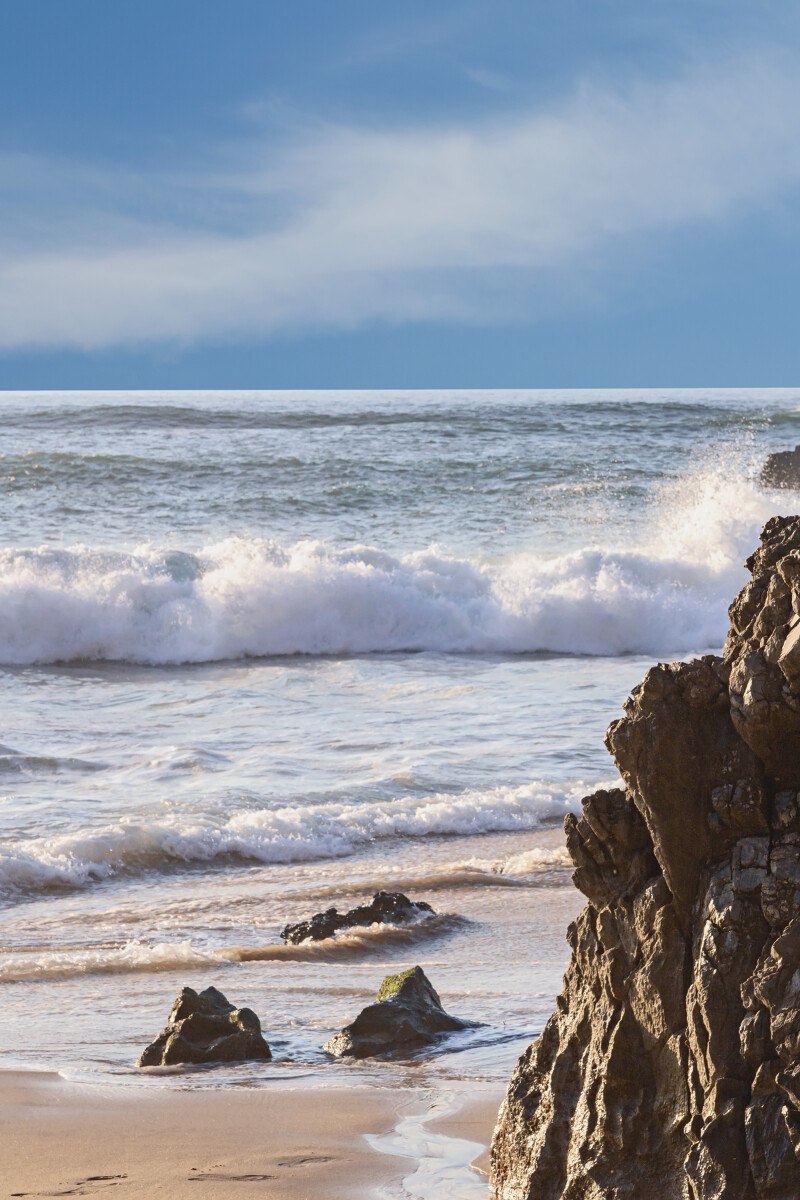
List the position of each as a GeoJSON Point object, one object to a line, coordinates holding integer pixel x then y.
{"type": "Point", "coordinates": [387, 908]}
{"type": "Point", "coordinates": [204, 1028]}
{"type": "Point", "coordinates": [407, 1013]}
{"type": "Point", "coordinates": [670, 1069]}
{"type": "Point", "coordinates": [782, 470]}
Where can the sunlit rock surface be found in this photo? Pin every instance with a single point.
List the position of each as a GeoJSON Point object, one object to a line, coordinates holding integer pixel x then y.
{"type": "Point", "coordinates": [671, 1066]}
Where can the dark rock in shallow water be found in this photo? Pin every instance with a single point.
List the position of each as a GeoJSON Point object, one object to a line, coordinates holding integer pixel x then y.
{"type": "Point", "coordinates": [387, 908]}
{"type": "Point", "coordinates": [204, 1028]}
{"type": "Point", "coordinates": [782, 470]}
{"type": "Point", "coordinates": [407, 1013]}
{"type": "Point", "coordinates": [671, 1066]}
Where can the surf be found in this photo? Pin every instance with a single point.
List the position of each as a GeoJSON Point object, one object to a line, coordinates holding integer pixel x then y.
{"type": "Point", "coordinates": [255, 597]}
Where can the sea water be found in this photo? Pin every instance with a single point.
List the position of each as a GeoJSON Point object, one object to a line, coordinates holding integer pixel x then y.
{"type": "Point", "coordinates": [264, 652]}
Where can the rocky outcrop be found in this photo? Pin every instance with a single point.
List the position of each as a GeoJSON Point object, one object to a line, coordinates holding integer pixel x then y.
{"type": "Point", "coordinates": [782, 470]}
{"type": "Point", "coordinates": [671, 1066]}
{"type": "Point", "coordinates": [407, 1014]}
{"type": "Point", "coordinates": [204, 1027]}
{"type": "Point", "coordinates": [387, 908]}
{"type": "Point", "coordinates": [763, 652]}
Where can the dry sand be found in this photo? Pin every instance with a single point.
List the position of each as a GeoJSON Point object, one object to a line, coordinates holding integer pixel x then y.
{"type": "Point", "coordinates": [298, 1141]}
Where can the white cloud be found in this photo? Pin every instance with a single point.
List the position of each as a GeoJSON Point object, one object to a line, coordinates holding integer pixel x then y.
{"type": "Point", "coordinates": [345, 226]}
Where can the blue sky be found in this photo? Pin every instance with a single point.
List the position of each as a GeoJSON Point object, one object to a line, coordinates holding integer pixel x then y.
{"type": "Point", "coordinates": [287, 193]}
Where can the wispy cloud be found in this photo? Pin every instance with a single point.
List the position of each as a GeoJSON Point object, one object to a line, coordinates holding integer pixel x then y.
{"type": "Point", "coordinates": [346, 226]}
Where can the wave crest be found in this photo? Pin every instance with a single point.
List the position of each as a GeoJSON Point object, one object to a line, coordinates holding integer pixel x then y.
{"type": "Point", "coordinates": [252, 597]}
{"type": "Point", "coordinates": [277, 835]}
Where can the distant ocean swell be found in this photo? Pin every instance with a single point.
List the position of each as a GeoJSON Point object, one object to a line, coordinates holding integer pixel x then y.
{"type": "Point", "coordinates": [281, 835]}
{"type": "Point", "coordinates": [252, 597]}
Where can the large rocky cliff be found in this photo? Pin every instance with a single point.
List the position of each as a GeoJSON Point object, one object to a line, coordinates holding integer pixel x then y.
{"type": "Point", "coordinates": [671, 1066]}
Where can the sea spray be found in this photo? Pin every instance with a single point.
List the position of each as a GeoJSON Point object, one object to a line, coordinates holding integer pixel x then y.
{"type": "Point", "coordinates": [253, 598]}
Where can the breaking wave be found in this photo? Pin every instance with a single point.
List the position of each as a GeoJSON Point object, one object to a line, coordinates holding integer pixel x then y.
{"type": "Point", "coordinates": [278, 835]}
{"type": "Point", "coordinates": [252, 597]}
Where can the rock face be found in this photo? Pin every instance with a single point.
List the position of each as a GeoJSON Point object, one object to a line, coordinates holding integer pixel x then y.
{"type": "Point", "coordinates": [204, 1028]}
{"type": "Point", "coordinates": [782, 469]}
{"type": "Point", "coordinates": [670, 1069]}
{"type": "Point", "coordinates": [407, 1013]}
{"type": "Point", "coordinates": [386, 908]}
{"type": "Point", "coordinates": [763, 650]}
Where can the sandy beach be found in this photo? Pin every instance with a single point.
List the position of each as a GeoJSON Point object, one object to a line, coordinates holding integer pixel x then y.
{"type": "Point", "coordinates": [300, 1141]}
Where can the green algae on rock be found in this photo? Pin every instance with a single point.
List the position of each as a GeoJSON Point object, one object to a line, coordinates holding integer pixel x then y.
{"type": "Point", "coordinates": [392, 984]}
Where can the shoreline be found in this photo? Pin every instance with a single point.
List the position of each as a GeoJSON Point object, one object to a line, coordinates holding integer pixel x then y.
{"type": "Point", "coordinates": [296, 1141]}
{"type": "Point", "coordinates": [444, 1136]}
{"type": "Point", "coordinates": [474, 1121]}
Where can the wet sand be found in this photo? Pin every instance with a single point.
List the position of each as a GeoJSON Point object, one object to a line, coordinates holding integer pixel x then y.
{"type": "Point", "coordinates": [444, 1134]}
{"type": "Point", "coordinates": [475, 1122]}
{"type": "Point", "coordinates": [298, 1142]}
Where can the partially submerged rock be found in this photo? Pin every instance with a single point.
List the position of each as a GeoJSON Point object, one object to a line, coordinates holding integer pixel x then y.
{"type": "Point", "coordinates": [387, 908]}
{"type": "Point", "coordinates": [782, 470]}
{"type": "Point", "coordinates": [671, 1066]}
{"type": "Point", "coordinates": [407, 1013]}
{"type": "Point", "coordinates": [204, 1027]}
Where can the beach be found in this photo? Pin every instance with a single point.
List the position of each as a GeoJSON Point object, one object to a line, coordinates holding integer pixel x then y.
{"type": "Point", "coordinates": [268, 653]}
{"type": "Point", "coordinates": [72, 1139]}
{"type": "Point", "coordinates": [292, 1141]}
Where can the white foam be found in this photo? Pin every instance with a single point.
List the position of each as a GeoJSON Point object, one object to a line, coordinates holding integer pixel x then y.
{"type": "Point", "coordinates": [537, 859]}
{"type": "Point", "coordinates": [277, 835]}
{"type": "Point", "coordinates": [664, 595]}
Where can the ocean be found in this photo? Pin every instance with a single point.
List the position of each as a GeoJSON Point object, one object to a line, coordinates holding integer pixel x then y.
{"type": "Point", "coordinates": [265, 652]}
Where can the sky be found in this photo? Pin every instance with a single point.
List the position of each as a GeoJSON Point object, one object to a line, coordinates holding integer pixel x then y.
{"type": "Point", "coordinates": [356, 194]}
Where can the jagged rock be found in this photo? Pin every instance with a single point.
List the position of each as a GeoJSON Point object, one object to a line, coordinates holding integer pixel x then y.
{"type": "Point", "coordinates": [671, 1066]}
{"type": "Point", "coordinates": [387, 908]}
{"type": "Point", "coordinates": [204, 1027]}
{"type": "Point", "coordinates": [692, 778]}
{"type": "Point", "coordinates": [763, 654]}
{"type": "Point", "coordinates": [407, 1013]}
{"type": "Point", "coordinates": [782, 470]}
{"type": "Point", "coordinates": [600, 1097]}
